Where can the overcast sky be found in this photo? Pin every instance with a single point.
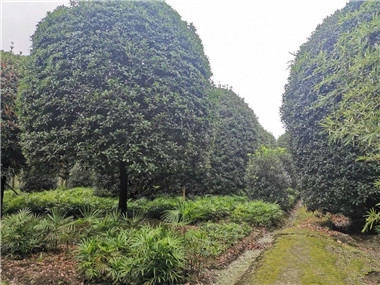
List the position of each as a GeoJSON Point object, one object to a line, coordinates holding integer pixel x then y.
{"type": "Point", "coordinates": [248, 42]}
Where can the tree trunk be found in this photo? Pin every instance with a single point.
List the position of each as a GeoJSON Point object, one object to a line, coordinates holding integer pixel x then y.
{"type": "Point", "coordinates": [123, 195]}
{"type": "Point", "coordinates": [3, 181]}
{"type": "Point", "coordinates": [184, 193]}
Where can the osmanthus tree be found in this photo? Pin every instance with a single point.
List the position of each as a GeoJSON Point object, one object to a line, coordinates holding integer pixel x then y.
{"type": "Point", "coordinates": [357, 119]}
{"type": "Point", "coordinates": [12, 158]}
{"type": "Point", "coordinates": [270, 176]}
{"type": "Point", "coordinates": [357, 59]}
{"type": "Point", "coordinates": [237, 133]}
{"type": "Point", "coordinates": [333, 87]}
{"type": "Point", "coordinates": [117, 84]}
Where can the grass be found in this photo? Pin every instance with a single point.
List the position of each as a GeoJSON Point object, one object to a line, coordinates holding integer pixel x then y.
{"type": "Point", "coordinates": [312, 260]}
{"type": "Point", "coordinates": [219, 236]}
{"type": "Point", "coordinates": [305, 255]}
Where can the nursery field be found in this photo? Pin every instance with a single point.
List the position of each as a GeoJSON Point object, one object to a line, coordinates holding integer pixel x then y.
{"type": "Point", "coordinates": [70, 236]}
{"type": "Point", "coordinates": [120, 96]}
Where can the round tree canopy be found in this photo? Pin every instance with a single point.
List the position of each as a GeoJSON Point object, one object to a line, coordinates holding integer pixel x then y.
{"type": "Point", "coordinates": [116, 81]}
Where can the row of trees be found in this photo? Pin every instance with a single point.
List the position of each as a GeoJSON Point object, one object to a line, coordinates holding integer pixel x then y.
{"type": "Point", "coordinates": [11, 156]}
{"type": "Point", "coordinates": [331, 110]}
{"type": "Point", "coordinates": [123, 88]}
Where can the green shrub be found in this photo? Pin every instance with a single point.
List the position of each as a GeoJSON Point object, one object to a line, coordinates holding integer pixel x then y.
{"type": "Point", "coordinates": [33, 179]}
{"type": "Point", "coordinates": [198, 250]}
{"type": "Point", "coordinates": [24, 232]}
{"type": "Point", "coordinates": [237, 133]}
{"type": "Point", "coordinates": [156, 208]}
{"type": "Point", "coordinates": [75, 202]}
{"type": "Point", "coordinates": [80, 176]}
{"type": "Point", "coordinates": [372, 220]}
{"type": "Point", "coordinates": [159, 254]}
{"type": "Point", "coordinates": [333, 87]}
{"type": "Point", "coordinates": [184, 213]}
{"type": "Point", "coordinates": [269, 175]}
{"type": "Point", "coordinates": [210, 240]}
{"type": "Point", "coordinates": [257, 213]}
{"type": "Point", "coordinates": [224, 235]}
{"type": "Point", "coordinates": [55, 227]}
{"type": "Point", "coordinates": [135, 256]}
{"type": "Point", "coordinates": [18, 234]}
{"type": "Point", "coordinates": [217, 207]}
{"type": "Point", "coordinates": [71, 201]}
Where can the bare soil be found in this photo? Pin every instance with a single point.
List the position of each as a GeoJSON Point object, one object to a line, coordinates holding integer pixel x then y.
{"type": "Point", "coordinates": [42, 269]}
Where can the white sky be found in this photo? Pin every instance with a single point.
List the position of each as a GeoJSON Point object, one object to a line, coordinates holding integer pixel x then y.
{"type": "Point", "coordinates": [248, 42]}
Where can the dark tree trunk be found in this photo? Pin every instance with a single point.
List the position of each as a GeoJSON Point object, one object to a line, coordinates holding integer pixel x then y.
{"type": "Point", "coordinates": [123, 195]}
{"type": "Point", "coordinates": [3, 181]}
{"type": "Point", "coordinates": [13, 181]}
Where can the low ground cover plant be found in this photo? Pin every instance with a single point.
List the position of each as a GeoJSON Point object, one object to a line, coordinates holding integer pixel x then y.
{"type": "Point", "coordinates": [147, 255]}
{"type": "Point", "coordinates": [257, 213]}
{"type": "Point", "coordinates": [18, 234]}
{"type": "Point", "coordinates": [70, 201]}
{"type": "Point", "coordinates": [134, 249]}
{"type": "Point", "coordinates": [223, 235]}
{"type": "Point", "coordinates": [74, 201]}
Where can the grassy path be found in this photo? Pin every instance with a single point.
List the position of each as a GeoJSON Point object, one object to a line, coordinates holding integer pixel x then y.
{"type": "Point", "coordinates": [307, 252]}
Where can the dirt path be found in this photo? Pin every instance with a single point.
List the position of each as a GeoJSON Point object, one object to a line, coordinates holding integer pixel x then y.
{"type": "Point", "coordinates": [305, 251]}
{"type": "Point", "coordinates": [239, 267]}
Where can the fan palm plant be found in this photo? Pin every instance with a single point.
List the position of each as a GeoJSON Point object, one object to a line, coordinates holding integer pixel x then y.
{"type": "Point", "coordinates": [56, 228]}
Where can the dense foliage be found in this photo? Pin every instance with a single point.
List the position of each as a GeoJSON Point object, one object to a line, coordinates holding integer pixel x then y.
{"type": "Point", "coordinates": [76, 200]}
{"type": "Point", "coordinates": [373, 220]}
{"type": "Point", "coordinates": [140, 249]}
{"type": "Point", "coordinates": [33, 178]}
{"type": "Point", "coordinates": [12, 158]}
{"type": "Point", "coordinates": [121, 85]}
{"type": "Point", "coordinates": [356, 59]}
{"type": "Point", "coordinates": [80, 176]}
{"type": "Point", "coordinates": [146, 255]}
{"type": "Point", "coordinates": [284, 140]}
{"type": "Point", "coordinates": [237, 134]}
{"type": "Point", "coordinates": [71, 201]}
{"type": "Point", "coordinates": [356, 120]}
{"type": "Point", "coordinates": [271, 176]}
{"type": "Point", "coordinates": [334, 75]}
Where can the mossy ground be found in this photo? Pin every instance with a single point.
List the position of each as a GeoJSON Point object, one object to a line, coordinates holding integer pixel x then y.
{"type": "Point", "coordinates": [308, 253]}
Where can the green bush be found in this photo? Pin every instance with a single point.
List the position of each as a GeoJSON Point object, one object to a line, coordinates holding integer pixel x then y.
{"type": "Point", "coordinates": [217, 207]}
{"type": "Point", "coordinates": [184, 213]}
{"type": "Point", "coordinates": [135, 256]}
{"type": "Point", "coordinates": [18, 234]}
{"type": "Point", "coordinates": [224, 235]}
{"type": "Point", "coordinates": [257, 213]}
{"type": "Point", "coordinates": [237, 133]}
{"type": "Point", "coordinates": [34, 179]}
{"type": "Point", "coordinates": [155, 208]}
{"type": "Point", "coordinates": [70, 201]}
{"type": "Point", "coordinates": [210, 240]}
{"type": "Point", "coordinates": [334, 87]}
{"type": "Point", "coordinates": [76, 201]}
{"type": "Point", "coordinates": [80, 176]}
{"type": "Point", "coordinates": [372, 220]}
{"type": "Point", "coordinates": [56, 228]}
{"type": "Point", "coordinates": [24, 233]}
{"type": "Point", "coordinates": [198, 250]}
{"type": "Point", "coordinates": [269, 175]}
